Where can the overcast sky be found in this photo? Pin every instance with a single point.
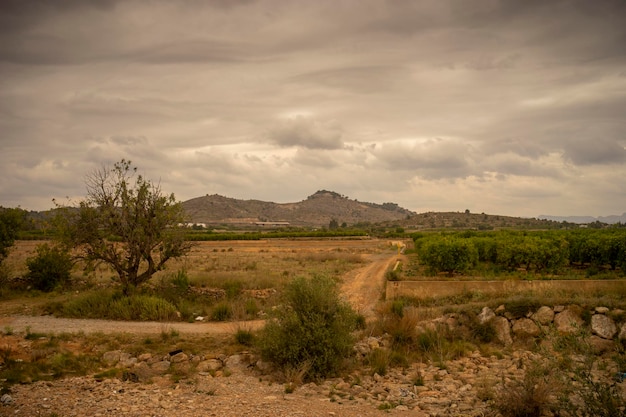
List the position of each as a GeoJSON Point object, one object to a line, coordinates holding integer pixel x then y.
{"type": "Point", "coordinates": [504, 107]}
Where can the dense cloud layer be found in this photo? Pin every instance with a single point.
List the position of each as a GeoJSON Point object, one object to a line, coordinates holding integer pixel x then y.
{"type": "Point", "coordinates": [498, 106]}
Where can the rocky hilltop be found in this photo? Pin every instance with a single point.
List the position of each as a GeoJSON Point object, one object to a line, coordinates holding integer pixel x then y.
{"type": "Point", "coordinates": [319, 209]}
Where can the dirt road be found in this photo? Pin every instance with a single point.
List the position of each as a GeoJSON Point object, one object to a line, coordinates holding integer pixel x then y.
{"type": "Point", "coordinates": [362, 288]}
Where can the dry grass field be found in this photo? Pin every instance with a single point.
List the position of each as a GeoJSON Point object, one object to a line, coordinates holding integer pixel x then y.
{"type": "Point", "coordinates": [255, 260]}
{"type": "Point", "coordinates": [242, 270]}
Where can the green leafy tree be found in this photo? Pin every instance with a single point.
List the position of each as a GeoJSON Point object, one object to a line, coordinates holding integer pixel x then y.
{"type": "Point", "coordinates": [125, 222]}
{"type": "Point", "coordinates": [312, 330]}
{"type": "Point", "coordinates": [50, 268]}
{"type": "Point", "coordinates": [11, 220]}
{"type": "Point", "coordinates": [448, 254]}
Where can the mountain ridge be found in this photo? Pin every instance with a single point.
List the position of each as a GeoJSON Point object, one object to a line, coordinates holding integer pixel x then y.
{"type": "Point", "coordinates": [318, 209]}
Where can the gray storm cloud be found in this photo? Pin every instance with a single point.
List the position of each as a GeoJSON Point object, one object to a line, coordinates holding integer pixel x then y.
{"type": "Point", "coordinates": [501, 106]}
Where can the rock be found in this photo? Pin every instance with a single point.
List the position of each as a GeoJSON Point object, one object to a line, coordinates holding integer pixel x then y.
{"type": "Point", "coordinates": [263, 366]}
{"type": "Point", "coordinates": [559, 309]}
{"type": "Point", "coordinates": [210, 365]}
{"type": "Point", "coordinates": [600, 345]}
{"type": "Point", "coordinates": [525, 328]}
{"type": "Point", "coordinates": [568, 322]}
{"type": "Point", "coordinates": [501, 309]}
{"type": "Point", "coordinates": [622, 333]}
{"type": "Point", "coordinates": [603, 326]}
{"type": "Point", "coordinates": [6, 399]}
{"type": "Point", "coordinates": [239, 361]}
{"type": "Point", "coordinates": [143, 372]}
{"type": "Point", "coordinates": [544, 316]}
{"type": "Point", "coordinates": [179, 357]}
{"type": "Point", "coordinates": [160, 367]}
{"type": "Point", "coordinates": [144, 357]}
{"type": "Point", "coordinates": [126, 360]}
{"type": "Point", "coordinates": [111, 358]}
{"type": "Point", "coordinates": [503, 330]}
{"type": "Point", "coordinates": [602, 310]}
{"type": "Point", "coordinates": [373, 343]}
{"type": "Point", "coordinates": [485, 315]}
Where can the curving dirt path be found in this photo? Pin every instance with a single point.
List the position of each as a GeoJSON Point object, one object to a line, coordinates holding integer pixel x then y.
{"type": "Point", "coordinates": [362, 288]}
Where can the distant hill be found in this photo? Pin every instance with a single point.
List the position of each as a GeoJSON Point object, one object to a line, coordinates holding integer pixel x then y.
{"type": "Point", "coordinates": [587, 219]}
{"type": "Point", "coordinates": [317, 210]}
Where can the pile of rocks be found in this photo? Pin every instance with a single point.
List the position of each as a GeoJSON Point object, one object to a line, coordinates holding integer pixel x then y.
{"type": "Point", "coordinates": [144, 367]}
{"type": "Point", "coordinates": [564, 320]}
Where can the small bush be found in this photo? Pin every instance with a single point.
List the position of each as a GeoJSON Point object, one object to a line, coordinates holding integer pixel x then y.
{"type": "Point", "coordinates": [529, 397]}
{"type": "Point", "coordinates": [397, 308]}
{"type": "Point", "coordinates": [312, 326]}
{"type": "Point", "coordinates": [400, 324]}
{"type": "Point", "coordinates": [483, 332]}
{"type": "Point", "coordinates": [379, 361]}
{"type": "Point", "coordinates": [392, 275]}
{"type": "Point", "coordinates": [232, 288]}
{"type": "Point", "coordinates": [180, 280]}
{"type": "Point", "coordinates": [251, 307]}
{"type": "Point", "coordinates": [51, 267]}
{"type": "Point", "coordinates": [244, 337]}
{"type": "Point", "coordinates": [114, 306]}
{"type": "Point", "coordinates": [222, 312]}
{"type": "Point", "coordinates": [143, 308]}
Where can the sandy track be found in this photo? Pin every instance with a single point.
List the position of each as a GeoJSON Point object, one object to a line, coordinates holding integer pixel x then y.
{"type": "Point", "coordinates": [49, 324]}
{"type": "Point", "coordinates": [363, 287]}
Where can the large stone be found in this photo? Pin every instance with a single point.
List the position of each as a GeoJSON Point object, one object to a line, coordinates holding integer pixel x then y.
{"type": "Point", "coordinates": [568, 322]}
{"type": "Point", "coordinates": [544, 316]}
{"type": "Point", "coordinates": [143, 372]}
{"type": "Point", "coordinates": [485, 315]}
{"type": "Point", "coordinates": [603, 326]}
{"type": "Point", "coordinates": [126, 360]}
{"type": "Point", "coordinates": [600, 345]}
{"type": "Point", "coordinates": [179, 357]}
{"type": "Point", "coordinates": [112, 357]}
{"type": "Point", "coordinates": [503, 330]}
{"type": "Point", "coordinates": [526, 328]}
{"type": "Point", "coordinates": [210, 365]}
{"type": "Point", "coordinates": [622, 332]}
{"type": "Point", "coordinates": [161, 367]}
{"type": "Point", "coordinates": [240, 361]}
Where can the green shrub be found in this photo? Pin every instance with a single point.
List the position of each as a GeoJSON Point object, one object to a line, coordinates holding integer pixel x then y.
{"type": "Point", "coordinates": [143, 308]}
{"type": "Point", "coordinates": [397, 308]}
{"type": "Point", "coordinates": [244, 337]}
{"type": "Point", "coordinates": [50, 268]}
{"type": "Point", "coordinates": [115, 306]}
{"type": "Point", "coordinates": [232, 287]}
{"type": "Point", "coordinates": [180, 280]}
{"type": "Point", "coordinates": [251, 307]}
{"type": "Point", "coordinates": [222, 312]}
{"type": "Point", "coordinates": [312, 325]}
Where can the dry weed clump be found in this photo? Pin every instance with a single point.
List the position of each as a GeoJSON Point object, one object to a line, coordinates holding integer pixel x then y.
{"type": "Point", "coordinates": [530, 396]}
